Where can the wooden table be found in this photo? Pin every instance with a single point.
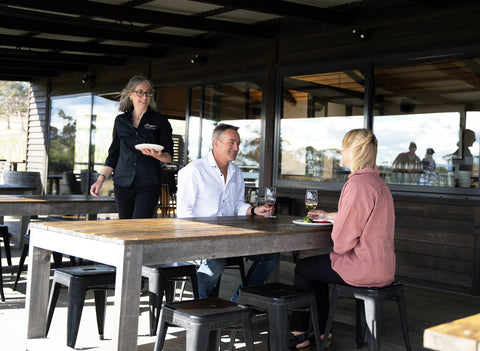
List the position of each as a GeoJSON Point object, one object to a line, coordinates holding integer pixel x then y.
{"type": "Point", "coordinates": [460, 335]}
{"type": "Point", "coordinates": [129, 244]}
{"type": "Point", "coordinates": [9, 189]}
{"type": "Point", "coordinates": [26, 206]}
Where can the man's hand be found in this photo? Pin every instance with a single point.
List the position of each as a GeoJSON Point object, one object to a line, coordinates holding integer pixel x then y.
{"type": "Point", "coordinates": [263, 210]}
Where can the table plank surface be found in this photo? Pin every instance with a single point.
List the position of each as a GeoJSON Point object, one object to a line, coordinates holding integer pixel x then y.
{"type": "Point", "coordinates": [460, 335]}
{"type": "Point", "coordinates": [145, 231]}
{"type": "Point", "coordinates": [26, 206]}
{"type": "Point", "coordinates": [19, 205]}
{"type": "Point", "coordinates": [129, 244]}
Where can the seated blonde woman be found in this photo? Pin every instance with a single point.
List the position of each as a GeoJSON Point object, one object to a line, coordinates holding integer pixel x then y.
{"type": "Point", "coordinates": [363, 245]}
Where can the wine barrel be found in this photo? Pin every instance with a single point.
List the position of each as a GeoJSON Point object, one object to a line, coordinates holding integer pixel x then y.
{"type": "Point", "coordinates": [32, 179]}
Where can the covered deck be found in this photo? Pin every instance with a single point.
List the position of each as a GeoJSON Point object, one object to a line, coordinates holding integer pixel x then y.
{"type": "Point", "coordinates": [425, 308]}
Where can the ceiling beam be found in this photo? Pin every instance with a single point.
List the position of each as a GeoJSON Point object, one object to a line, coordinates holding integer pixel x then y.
{"type": "Point", "coordinates": [288, 9]}
{"type": "Point", "coordinates": [16, 77]}
{"type": "Point", "coordinates": [129, 14]}
{"type": "Point", "coordinates": [34, 21]}
{"type": "Point", "coordinates": [39, 65]}
{"type": "Point", "coordinates": [66, 45]}
{"type": "Point", "coordinates": [313, 88]}
{"type": "Point", "coordinates": [28, 55]}
{"type": "Point", "coordinates": [26, 72]}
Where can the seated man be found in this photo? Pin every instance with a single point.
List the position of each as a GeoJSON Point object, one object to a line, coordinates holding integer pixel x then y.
{"type": "Point", "coordinates": [214, 186]}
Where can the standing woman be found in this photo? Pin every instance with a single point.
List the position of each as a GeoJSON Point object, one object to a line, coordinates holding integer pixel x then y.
{"type": "Point", "coordinates": [363, 244]}
{"type": "Point", "coordinates": [137, 176]}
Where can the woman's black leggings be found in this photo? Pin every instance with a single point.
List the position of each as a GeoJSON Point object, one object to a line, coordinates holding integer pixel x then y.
{"type": "Point", "coordinates": [314, 273]}
{"type": "Point", "coordinates": [136, 202]}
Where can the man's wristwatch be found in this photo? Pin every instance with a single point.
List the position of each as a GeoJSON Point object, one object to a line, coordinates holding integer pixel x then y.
{"type": "Point", "coordinates": [252, 211]}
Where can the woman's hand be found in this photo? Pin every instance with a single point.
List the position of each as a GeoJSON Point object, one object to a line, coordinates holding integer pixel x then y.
{"type": "Point", "coordinates": [102, 177]}
{"type": "Point", "coordinates": [95, 188]}
{"type": "Point", "coordinates": [322, 215]}
{"type": "Point", "coordinates": [159, 155]}
{"type": "Point", "coordinates": [152, 152]}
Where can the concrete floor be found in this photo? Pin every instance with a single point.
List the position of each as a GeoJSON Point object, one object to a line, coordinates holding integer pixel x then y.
{"type": "Point", "coordinates": [425, 308]}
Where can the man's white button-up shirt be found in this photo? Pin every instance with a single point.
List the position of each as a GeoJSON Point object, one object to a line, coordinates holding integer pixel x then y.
{"type": "Point", "coordinates": [203, 192]}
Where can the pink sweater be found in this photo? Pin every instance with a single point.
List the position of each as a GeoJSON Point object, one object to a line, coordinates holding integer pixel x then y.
{"type": "Point", "coordinates": [363, 245]}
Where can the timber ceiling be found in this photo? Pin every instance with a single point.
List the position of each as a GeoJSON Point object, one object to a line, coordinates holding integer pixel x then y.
{"type": "Point", "coordinates": [40, 39]}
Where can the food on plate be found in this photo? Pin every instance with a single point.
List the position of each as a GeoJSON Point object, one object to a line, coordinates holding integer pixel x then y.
{"type": "Point", "coordinates": [321, 221]}
{"type": "Point", "coordinates": [307, 219]}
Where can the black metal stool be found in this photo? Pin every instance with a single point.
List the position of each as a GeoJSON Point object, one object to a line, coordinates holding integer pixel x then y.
{"type": "Point", "coordinates": [277, 299]}
{"type": "Point", "coordinates": [6, 242]}
{"type": "Point", "coordinates": [370, 311]}
{"type": "Point", "coordinates": [232, 263]}
{"type": "Point", "coordinates": [57, 259]}
{"type": "Point", "coordinates": [2, 295]}
{"type": "Point", "coordinates": [161, 280]}
{"type": "Point", "coordinates": [203, 319]}
{"type": "Point", "coordinates": [78, 280]}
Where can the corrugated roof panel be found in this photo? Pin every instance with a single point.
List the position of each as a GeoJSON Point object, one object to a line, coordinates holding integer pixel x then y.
{"type": "Point", "coordinates": [176, 31]}
{"type": "Point", "coordinates": [63, 37]}
{"type": "Point", "coordinates": [324, 3]}
{"type": "Point", "coordinates": [184, 7]}
{"type": "Point", "coordinates": [245, 16]}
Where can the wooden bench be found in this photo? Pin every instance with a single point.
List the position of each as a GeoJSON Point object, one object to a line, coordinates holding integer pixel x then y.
{"type": "Point", "coordinates": [461, 334]}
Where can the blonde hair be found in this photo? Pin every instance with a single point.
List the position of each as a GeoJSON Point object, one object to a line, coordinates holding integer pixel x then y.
{"type": "Point", "coordinates": [362, 145]}
{"type": "Point", "coordinates": [125, 103]}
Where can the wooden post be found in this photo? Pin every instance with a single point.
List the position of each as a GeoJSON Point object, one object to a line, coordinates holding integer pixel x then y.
{"type": "Point", "coordinates": [268, 120]}
{"type": "Point", "coordinates": [476, 250]}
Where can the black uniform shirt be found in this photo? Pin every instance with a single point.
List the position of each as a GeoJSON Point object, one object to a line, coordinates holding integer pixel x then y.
{"type": "Point", "coordinates": [131, 167]}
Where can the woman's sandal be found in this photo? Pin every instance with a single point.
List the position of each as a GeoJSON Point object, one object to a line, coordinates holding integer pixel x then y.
{"type": "Point", "coordinates": [299, 339]}
{"type": "Point", "coordinates": [310, 336]}
{"type": "Point", "coordinates": [329, 340]}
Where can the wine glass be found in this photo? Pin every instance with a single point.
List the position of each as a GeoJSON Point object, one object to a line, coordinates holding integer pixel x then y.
{"type": "Point", "coordinates": [270, 198]}
{"type": "Point", "coordinates": [311, 199]}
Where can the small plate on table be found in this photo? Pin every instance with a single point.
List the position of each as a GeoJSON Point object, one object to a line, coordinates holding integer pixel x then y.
{"type": "Point", "coordinates": [155, 147]}
{"type": "Point", "coordinates": [314, 224]}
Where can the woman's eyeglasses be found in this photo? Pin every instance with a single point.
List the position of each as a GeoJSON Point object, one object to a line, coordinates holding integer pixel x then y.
{"type": "Point", "coordinates": [140, 93]}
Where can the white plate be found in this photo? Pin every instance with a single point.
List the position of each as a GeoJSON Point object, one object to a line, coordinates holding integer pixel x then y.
{"type": "Point", "coordinates": [155, 147]}
{"type": "Point", "coordinates": [306, 224]}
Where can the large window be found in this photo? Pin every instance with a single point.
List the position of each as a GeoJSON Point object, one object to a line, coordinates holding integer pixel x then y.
{"type": "Point", "coordinates": [426, 123]}
{"type": "Point", "coordinates": [80, 133]}
{"type": "Point", "coordinates": [317, 111]}
{"type": "Point", "coordinates": [238, 104]}
{"type": "Point", "coordinates": [426, 117]}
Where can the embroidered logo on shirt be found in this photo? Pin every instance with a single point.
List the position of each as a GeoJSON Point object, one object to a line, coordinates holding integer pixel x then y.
{"type": "Point", "coordinates": [150, 126]}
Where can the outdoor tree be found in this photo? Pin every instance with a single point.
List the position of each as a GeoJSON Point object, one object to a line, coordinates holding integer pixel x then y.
{"type": "Point", "coordinates": [14, 102]}
{"type": "Point", "coordinates": [13, 120]}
